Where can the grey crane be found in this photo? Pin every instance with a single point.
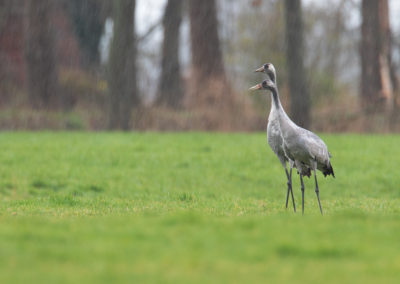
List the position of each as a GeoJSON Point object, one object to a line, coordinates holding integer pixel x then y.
{"type": "Point", "coordinates": [302, 146]}
{"type": "Point", "coordinates": [274, 136]}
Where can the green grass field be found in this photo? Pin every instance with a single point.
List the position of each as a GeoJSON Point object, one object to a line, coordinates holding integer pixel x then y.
{"type": "Point", "coordinates": [193, 208]}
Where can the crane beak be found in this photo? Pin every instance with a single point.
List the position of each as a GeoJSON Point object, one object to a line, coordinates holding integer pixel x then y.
{"type": "Point", "coordinates": [256, 87]}
{"type": "Point", "coordinates": [261, 69]}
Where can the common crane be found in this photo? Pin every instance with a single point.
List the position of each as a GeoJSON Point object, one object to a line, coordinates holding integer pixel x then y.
{"type": "Point", "coordinates": [274, 136]}
{"type": "Point", "coordinates": [303, 147]}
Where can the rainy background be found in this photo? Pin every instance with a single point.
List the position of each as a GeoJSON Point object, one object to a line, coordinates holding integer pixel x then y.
{"type": "Point", "coordinates": [172, 65]}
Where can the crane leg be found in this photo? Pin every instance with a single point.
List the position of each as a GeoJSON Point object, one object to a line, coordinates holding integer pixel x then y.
{"type": "Point", "coordinates": [317, 191]}
{"type": "Point", "coordinates": [290, 189]}
{"type": "Point", "coordinates": [302, 193]}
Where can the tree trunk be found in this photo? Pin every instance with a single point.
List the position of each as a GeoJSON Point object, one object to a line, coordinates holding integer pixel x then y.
{"type": "Point", "coordinates": [299, 93]}
{"type": "Point", "coordinates": [170, 91]}
{"type": "Point", "coordinates": [88, 20]}
{"type": "Point", "coordinates": [376, 83]}
{"type": "Point", "coordinates": [40, 55]}
{"type": "Point", "coordinates": [122, 66]}
{"type": "Point", "coordinates": [207, 61]}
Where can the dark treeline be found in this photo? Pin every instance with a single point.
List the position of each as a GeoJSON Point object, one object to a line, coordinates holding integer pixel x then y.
{"type": "Point", "coordinates": [170, 88]}
{"type": "Point", "coordinates": [52, 75]}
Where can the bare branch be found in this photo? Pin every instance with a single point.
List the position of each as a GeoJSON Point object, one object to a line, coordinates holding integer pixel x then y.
{"type": "Point", "coordinates": [149, 31]}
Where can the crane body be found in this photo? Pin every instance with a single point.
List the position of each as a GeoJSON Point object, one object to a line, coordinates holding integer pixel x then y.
{"type": "Point", "coordinates": [304, 148]}
{"type": "Point", "coordinates": [274, 135]}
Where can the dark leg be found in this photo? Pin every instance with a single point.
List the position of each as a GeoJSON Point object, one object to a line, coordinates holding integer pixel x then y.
{"type": "Point", "coordinates": [291, 189]}
{"type": "Point", "coordinates": [317, 191]}
{"type": "Point", "coordinates": [289, 183]}
{"type": "Point", "coordinates": [302, 193]}
{"type": "Point", "coordinates": [288, 187]}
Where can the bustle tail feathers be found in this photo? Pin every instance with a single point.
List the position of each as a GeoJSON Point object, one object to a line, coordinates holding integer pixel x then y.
{"type": "Point", "coordinates": [328, 170]}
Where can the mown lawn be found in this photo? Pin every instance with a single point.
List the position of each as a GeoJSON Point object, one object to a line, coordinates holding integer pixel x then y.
{"type": "Point", "coordinates": [193, 208]}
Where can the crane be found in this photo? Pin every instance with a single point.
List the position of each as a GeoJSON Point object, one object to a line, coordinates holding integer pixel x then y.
{"type": "Point", "coordinates": [302, 146]}
{"type": "Point", "coordinates": [274, 136]}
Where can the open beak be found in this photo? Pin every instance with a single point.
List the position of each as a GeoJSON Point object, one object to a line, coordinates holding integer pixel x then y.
{"type": "Point", "coordinates": [256, 87]}
{"type": "Point", "coordinates": [261, 69]}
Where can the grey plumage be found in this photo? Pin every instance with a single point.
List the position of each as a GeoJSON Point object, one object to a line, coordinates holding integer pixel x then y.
{"type": "Point", "coordinates": [308, 149]}
{"type": "Point", "coordinates": [274, 135]}
{"type": "Point", "coordinates": [304, 148]}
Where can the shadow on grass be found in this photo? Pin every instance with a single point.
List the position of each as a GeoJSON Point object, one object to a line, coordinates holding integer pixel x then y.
{"type": "Point", "coordinates": [322, 252]}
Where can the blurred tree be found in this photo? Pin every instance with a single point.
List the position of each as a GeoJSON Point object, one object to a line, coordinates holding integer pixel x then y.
{"type": "Point", "coordinates": [333, 41]}
{"type": "Point", "coordinates": [170, 90]}
{"type": "Point", "coordinates": [299, 94]}
{"type": "Point", "coordinates": [376, 82]}
{"type": "Point", "coordinates": [122, 66]}
{"type": "Point", "coordinates": [12, 62]}
{"type": "Point", "coordinates": [207, 61]}
{"type": "Point", "coordinates": [88, 19]}
{"type": "Point", "coordinates": [248, 42]}
{"type": "Point", "coordinates": [40, 55]}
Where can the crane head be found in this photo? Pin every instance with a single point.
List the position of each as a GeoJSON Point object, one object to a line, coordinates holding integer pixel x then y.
{"type": "Point", "coordinates": [267, 84]}
{"type": "Point", "coordinates": [269, 69]}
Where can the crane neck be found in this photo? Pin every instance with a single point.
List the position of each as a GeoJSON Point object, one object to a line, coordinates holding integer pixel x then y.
{"type": "Point", "coordinates": [286, 124]}
{"type": "Point", "coordinates": [275, 98]}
